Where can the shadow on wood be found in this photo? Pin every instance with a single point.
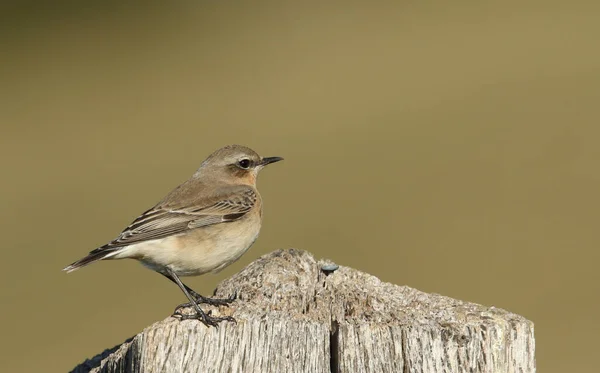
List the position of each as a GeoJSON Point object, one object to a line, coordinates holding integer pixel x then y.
{"type": "Point", "coordinates": [294, 316]}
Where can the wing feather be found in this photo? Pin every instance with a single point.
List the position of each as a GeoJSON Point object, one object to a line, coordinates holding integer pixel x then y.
{"type": "Point", "coordinates": [166, 219]}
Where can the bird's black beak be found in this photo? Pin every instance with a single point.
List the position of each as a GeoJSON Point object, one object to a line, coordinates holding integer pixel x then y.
{"type": "Point", "coordinates": [268, 160]}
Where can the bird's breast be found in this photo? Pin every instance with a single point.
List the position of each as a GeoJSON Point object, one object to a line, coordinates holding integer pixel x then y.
{"type": "Point", "coordinates": [202, 250]}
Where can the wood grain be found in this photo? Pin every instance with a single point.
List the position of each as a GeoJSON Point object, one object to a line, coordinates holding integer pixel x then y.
{"type": "Point", "coordinates": [295, 317]}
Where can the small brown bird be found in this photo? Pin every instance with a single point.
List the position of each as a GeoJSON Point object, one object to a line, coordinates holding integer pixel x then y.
{"type": "Point", "coordinates": [201, 226]}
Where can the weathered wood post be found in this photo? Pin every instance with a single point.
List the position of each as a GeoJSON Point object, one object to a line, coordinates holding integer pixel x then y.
{"type": "Point", "coordinates": [296, 314]}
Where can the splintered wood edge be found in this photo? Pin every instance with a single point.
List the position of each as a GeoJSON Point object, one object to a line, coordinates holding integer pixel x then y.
{"type": "Point", "coordinates": [321, 315]}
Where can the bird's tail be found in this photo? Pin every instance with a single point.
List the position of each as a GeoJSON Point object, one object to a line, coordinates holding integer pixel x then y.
{"type": "Point", "coordinates": [94, 255]}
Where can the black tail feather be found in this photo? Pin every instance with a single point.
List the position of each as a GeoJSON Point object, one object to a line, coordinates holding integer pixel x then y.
{"type": "Point", "coordinates": [92, 257]}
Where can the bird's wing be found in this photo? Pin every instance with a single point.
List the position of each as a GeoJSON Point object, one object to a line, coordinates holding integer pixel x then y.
{"type": "Point", "coordinates": [166, 219]}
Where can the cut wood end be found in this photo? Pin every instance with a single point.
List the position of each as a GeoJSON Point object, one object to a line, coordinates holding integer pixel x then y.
{"type": "Point", "coordinates": [287, 303]}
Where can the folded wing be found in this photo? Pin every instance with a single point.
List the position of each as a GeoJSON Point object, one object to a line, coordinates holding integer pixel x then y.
{"type": "Point", "coordinates": [167, 219]}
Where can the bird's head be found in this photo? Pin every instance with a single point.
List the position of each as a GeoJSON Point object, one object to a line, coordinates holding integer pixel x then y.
{"type": "Point", "coordinates": [236, 164]}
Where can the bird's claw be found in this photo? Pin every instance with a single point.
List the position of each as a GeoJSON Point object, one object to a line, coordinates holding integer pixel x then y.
{"type": "Point", "coordinates": [210, 301]}
{"type": "Point", "coordinates": [217, 301]}
{"type": "Point", "coordinates": [206, 318]}
{"type": "Point", "coordinates": [214, 301]}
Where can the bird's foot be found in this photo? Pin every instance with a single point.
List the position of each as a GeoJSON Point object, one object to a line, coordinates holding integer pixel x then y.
{"type": "Point", "coordinates": [213, 301]}
{"type": "Point", "coordinates": [204, 317]}
{"type": "Point", "coordinates": [204, 300]}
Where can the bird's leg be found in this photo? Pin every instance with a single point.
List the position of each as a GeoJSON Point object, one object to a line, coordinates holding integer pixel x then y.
{"type": "Point", "coordinates": [202, 299]}
{"type": "Point", "coordinates": [199, 315]}
{"type": "Point", "coordinates": [212, 301]}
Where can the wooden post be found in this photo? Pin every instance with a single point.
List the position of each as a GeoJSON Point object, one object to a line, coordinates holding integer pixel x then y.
{"type": "Point", "coordinates": [296, 314]}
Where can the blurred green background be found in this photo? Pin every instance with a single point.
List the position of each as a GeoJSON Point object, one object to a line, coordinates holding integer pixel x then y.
{"type": "Point", "coordinates": [449, 146]}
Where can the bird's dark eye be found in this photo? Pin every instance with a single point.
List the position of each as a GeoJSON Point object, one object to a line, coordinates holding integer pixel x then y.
{"type": "Point", "coordinates": [244, 163]}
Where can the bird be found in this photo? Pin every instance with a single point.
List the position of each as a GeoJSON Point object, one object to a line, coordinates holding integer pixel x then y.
{"type": "Point", "coordinates": [201, 226]}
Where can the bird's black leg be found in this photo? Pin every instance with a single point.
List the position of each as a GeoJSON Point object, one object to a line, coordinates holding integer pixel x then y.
{"type": "Point", "coordinates": [212, 301]}
{"type": "Point", "coordinates": [201, 299]}
{"type": "Point", "coordinates": [200, 315]}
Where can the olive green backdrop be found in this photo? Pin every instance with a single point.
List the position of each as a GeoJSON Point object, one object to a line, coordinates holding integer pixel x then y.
{"type": "Point", "coordinates": [449, 146]}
